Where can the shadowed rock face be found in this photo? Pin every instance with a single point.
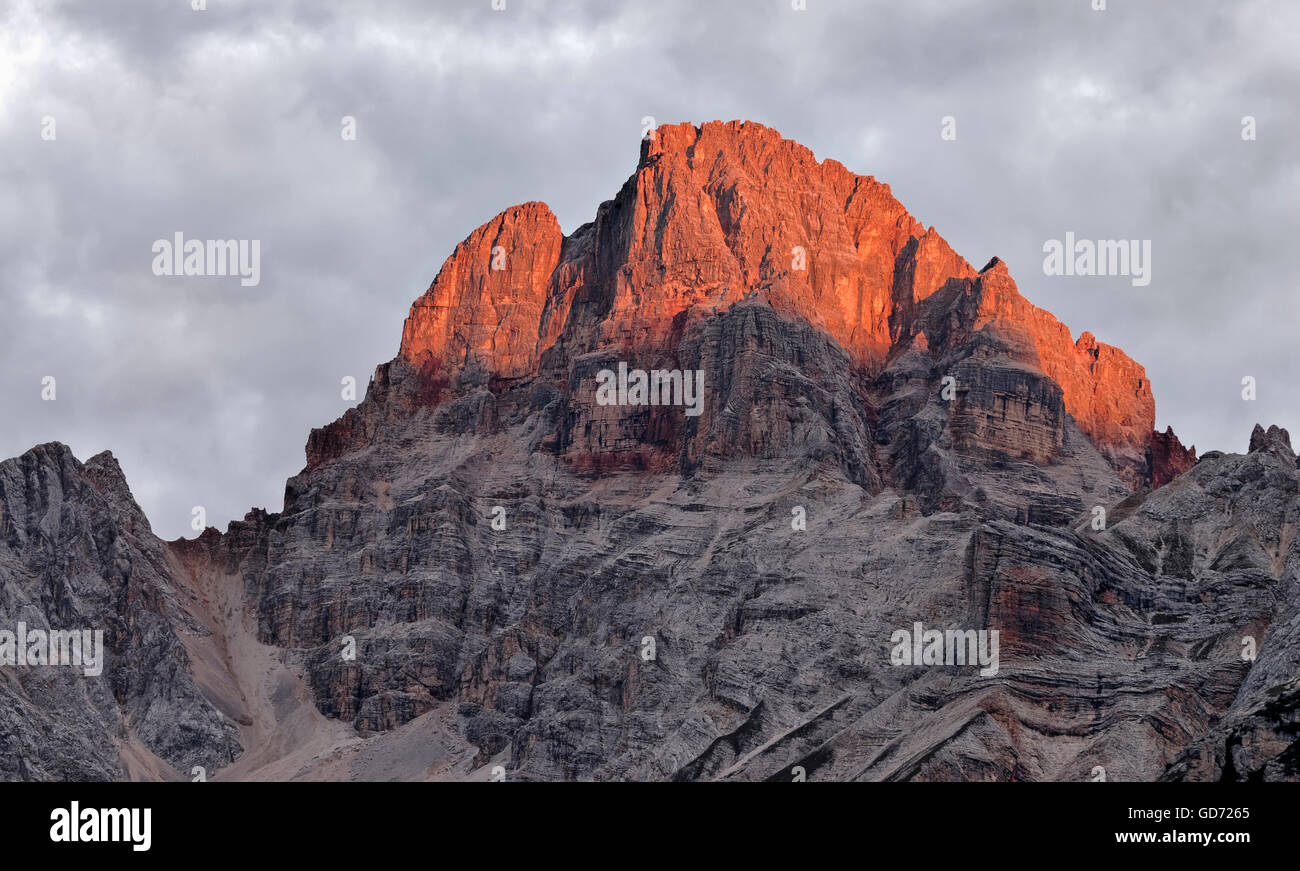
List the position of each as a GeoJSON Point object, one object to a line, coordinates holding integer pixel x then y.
{"type": "Point", "coordinates": [886, 437]}
{"type": "Point", "coordinates": [76, 553]}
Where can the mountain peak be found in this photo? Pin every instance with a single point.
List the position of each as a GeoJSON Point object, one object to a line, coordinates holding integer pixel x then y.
{"type": "Point", "coordinates": [723, 211]}
{"type": "Point", "coordinates": [483, 307]}
{"type": "Point", "coordinates": [1275, 437]}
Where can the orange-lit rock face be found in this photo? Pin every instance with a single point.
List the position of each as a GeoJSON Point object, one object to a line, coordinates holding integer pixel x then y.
{"type": "Point", "coordinates": [716, 213]}
{"type": "Point", "coordinates": [1169, 458]}
{"type": "Point", "coordinates": [484, 307]}
{"type": "Point", "coordinates": [1106, 392]}
{"type": "Point", "coordinates": [711, 215]}
{"type": "Point", "coordinates": [820, 241]}
{"type": "Point", "coordinates": [723, 210]}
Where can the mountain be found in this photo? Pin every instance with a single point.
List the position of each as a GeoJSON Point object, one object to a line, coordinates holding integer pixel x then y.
{"type": "Point", "coordinates": [540, 584]}
{"type": "Point", "coordinates": [76, 552]}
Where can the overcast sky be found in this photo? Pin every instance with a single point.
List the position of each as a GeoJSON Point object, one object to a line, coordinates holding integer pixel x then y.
{"type": "Point", "coordinates": [225, 123]}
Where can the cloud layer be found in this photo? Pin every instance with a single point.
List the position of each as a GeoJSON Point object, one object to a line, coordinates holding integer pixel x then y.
{"type": "Point", "coordinates": [225, 123]}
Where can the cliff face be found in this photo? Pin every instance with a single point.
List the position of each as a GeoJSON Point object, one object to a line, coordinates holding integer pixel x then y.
{"type": "Point", "coordinates": [722, 212]}
{"type": "Point", "coordinates": [76, 554]}
{"type": "Point", "coordinates": [1167, 458]}
{"type": "Point", "coordinates": [484, 565]}
{"type": "Point", "coordinates": [486, 305]}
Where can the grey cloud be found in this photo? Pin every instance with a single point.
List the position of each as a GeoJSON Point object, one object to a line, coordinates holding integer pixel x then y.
{"type": "Point", "coordinates": [225, 124]}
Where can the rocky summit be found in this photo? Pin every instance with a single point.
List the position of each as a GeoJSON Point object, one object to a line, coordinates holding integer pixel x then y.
{"type": "Point", "coordinates": [911, 529]}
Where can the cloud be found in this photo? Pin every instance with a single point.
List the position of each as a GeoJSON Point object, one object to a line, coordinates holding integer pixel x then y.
{"type": "Point", "coordinates": [225, 124]}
